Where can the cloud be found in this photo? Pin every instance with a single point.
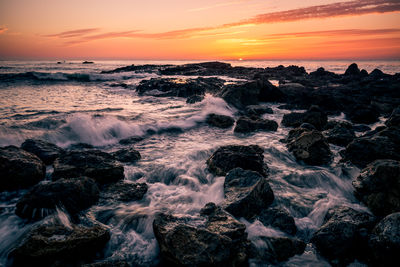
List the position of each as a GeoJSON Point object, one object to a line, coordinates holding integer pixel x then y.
{"type": "Point", "coordinates": [216, 6]}
{"type": "Point", "coordinates": [3, 29]}
{"type": "Point", "coordinates": [74, 33]}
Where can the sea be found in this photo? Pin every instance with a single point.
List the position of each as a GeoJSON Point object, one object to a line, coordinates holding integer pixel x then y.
{"type": "Point", "coordinates": [72, 103]}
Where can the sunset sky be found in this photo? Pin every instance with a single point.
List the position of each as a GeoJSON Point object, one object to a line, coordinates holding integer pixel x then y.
{"type": "Point", "coordinates": [207, 29]}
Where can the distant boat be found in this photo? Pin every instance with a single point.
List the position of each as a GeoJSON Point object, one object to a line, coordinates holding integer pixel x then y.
{"type": "Point", "coordinates": [87, 62]}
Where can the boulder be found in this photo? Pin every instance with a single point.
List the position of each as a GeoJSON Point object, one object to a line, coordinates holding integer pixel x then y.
{"type": "Point", "coordinates": [100, 166]}
{"type": "Point", "coordinates": [340, 134]}
{"type": "Point", "coordinates": [394, 119]}
{"type": "Point", "coordinates": [258, 110]}
{"type": "Point", "coordinates": [49, 245]}
{"type": "Point", "coordinates": [46, 151]}
{"type": "Point", "coordinates": [194, 99]}
{"type": "Point", "coordinates": [73, 195]}
{"type": "Point", "coordinates": [246, 193]}
{"type": "Point", "coordinates": [127, 155]}
{"type": "Point", "coordinates": [363, 114]}
{"type": "Point", "coordinates": [378, 186]}
{"type": "Point", "coordinates": [251, 124]}
{"type": "Point", "coordinates": [122, 191]}
{"type": "Point", "coordinates": [220, 121]}
{"type": "Point", "coordinates": [343, 236]}
{"type": "Point", "coordinates": [226, 158]}
{"type": "Point", "coordinates": [352, 70]}
{"type": "Point", "coordinates": [384, 242]}
{"type": "Point", "coordinates": [311, 147]}
{"type": "Point", "coordinates": [314, 116]}
{"type": "Point", "coordinates": [19, 168]}
{"type": "Point", "coordinates": [222, 241]}
{"type": "Point", "coordinates": [278, 218]}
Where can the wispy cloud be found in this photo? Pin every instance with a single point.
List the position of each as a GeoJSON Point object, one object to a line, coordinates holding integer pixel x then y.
{"type": "Point", "coordinates": [74, 33]}
{"type": "Point", "coordinates": [3, 29]}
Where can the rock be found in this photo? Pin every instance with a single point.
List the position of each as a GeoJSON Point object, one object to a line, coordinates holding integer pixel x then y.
{"type": "Point", "coordinates": [48, 245]}
{"type": "Point", "coordinates": [276, 249]}
{"type": "Point", "coordinates": [384, 241]}
{"type": "Point", "coordinates": [251, 124]}
{"type": "Point", "coordinates": [80, 146]}
{"type": "Point", "coordinates": [343, 236]}
{"type": "Point", "coordinates": [258, 110]}
{"type": "Point", "coordinates": [19, 168]}
{"type": "Point", "coordinates": [73, 195]}
{"type": "Point", "coordinates": [87, 62]}
{"type": "Point", "coordinates": [127, 155]}
{"type": "Point", "coordinates": [126, 191]}
{"type": "Point", "coordinates": [295, 133]}
{"type": "Point", "coordinates": [311, 147]}
{"type": "Point", "coordinates": [220, 121]}
{"type": "Point", "coordinates": [108, 263]}
{"type": "Point", "coordinates": [46, 151]}
{"type": "Point", "coordinates": [131, 140]}
{"type": "Point", "coordinates": [95, 164]}
{"type": "Point", "coordinates": [226, 158]}
{"type": "Point", "coordinates": [246, 193]}
{"type": "Point", "coordinates": [341, 134]}
{"type": "Point", "coordinates": [361, 128]}
{"type": "Point", "coordinates": [307, 126]}
{"type": "Point", "coordinates": [352, 70]}
{"type": "Point", "coordinates": [363, 114]}
{"type": "Point", "coordinates": [194, 99]}
{"type": "Point", "coordinates": [314, 116]}
{"type": "Point", "coordinates": [378, 186]}
{"type": "Point", "coordinates": [278, 218]}
{"type": "Point", "coordinates": [221, 242]}
{"type": "Point", "coordinates": [383, 144]}
{"type": "Point", "coordinates": [394, 119]}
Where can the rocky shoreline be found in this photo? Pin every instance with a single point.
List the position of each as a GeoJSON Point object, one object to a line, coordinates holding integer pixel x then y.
{"type": "Point", "coordinates": [84, 176]}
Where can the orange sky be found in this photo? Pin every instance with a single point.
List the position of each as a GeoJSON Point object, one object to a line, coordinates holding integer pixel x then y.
{"type": "Point", "coordinates": [207, 29]}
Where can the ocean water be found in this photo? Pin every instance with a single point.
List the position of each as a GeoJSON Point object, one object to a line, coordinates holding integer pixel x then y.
{"type": "Point", "coordinates": [73, 103]}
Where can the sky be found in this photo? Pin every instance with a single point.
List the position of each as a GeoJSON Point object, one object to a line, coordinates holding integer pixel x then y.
{"type": "Point", "coordinates": [206, 29]}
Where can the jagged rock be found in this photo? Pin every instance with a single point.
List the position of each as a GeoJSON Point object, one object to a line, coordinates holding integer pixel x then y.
{"type": "Point", "coordinates": [352, 70]}
{"type": "Point", "coordinates": [48, 245]}
{"type": "Point", "coordinates": [194, 99]}
{"type": "Point", "coordinates": [278, 218]}
{"type": "Point", "coordinates": [73, 195]}
{"type": "Point", "coordinates": [343, 236]}
{"type": "Point", "coordinates": [378, 186]}
{"type": "Point", "coordinates": [246, 193]}
{"type": "Point", "coordinates": [311, 147]}
{"type": "Point", "coordinates": [127, 155]}
{"type": "Point", "coordinates": [363, 114]}
{"type": "Point", "coordinates": [314, 116]}
{"type": "Point", "coordinates": [46, 151]}
{"type": "Point", "coordinates": [80, 146]}
{"type": "Point", "coordinates": [220, 121]}
{"type": "Point", "coordinates": [100, 166]}
{"type": "Point", "coordinates": [126, 191]}
{"type": "Point", "coordinates": [19, 168]}
{"type": "Point", "coordinates": [226, 158]}
{"type": "Point", "coordinates": [258, 110]}
{"type": "Point", "coordinates": [251, 124]}
{"type": "Point", "coordinates": [384, 242]}
{"type": "Point", "coordinates": [340, 134]}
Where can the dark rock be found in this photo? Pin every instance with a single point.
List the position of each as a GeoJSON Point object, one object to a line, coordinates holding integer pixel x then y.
{"type": "Point", "coordinates": [73, 195]}
{"type": "Point", "coordinates": [278, 218]}
{"type": "Point", "coordinates": [48, 245]}
{"type": "Point", "coordinates": [108, 263]}
{"type": "Point", "coordinates": [295, 133]}
{"type": "Point", "coordinates": [384, 241]}
{"type": "Point", "coordinates": [307, 126]}
{"type": "Point", "coordinates": [341, 134]}
{"type": "Point", "coordinates": [251, 124]}
{"type": "Point", "coordinates": [352, 70]}
{"type": "Point", "coordinates": [321, 73]}
{"type": "Point", "coordinates": [80, 146]}
{"type": "Point", "coordinates": [311, 147]}
{"type": "Point", "coordinates": [343, 236]}
{"type": "Point", "coordinates": [384, 144]}
{"type": "Point", "coordinates": [19, 168]}
{"type": "Point", "coordinates": [246, 193]}
{"type": "Point", "coordinates": [258, 110]}
{"type": "Point", "coordinates": [377, 74]}
{"type": "Point", "coordinates": [131, 140]}
{"type": "Point", "coordinates": [87, 62]}
{"type": "Point", "coordinates": [127, 155]}
{"type": "Point", "coordinates": [138, 68]}
{"type": "Point", "coordinates": [394, 119]}
{"type": "Point", "coordinates": [194, 99]}
{"type": "Point", "coordinates": [229, 157]}
{"type": "Point", "coordinates": [46, 151]}
{"type": "Point", "coordinates": [221, 242]}
{"type": "Point", "coordinates": [100, 166]}
{"type": "Point", "coordinates": [378, 186]}
{"type": "Point", "coordinates": [314, 116]}
{"type": "Point", "coordinates": [363, 114]}
{"type": "Point", "coordinates": [220, 121]}
{"type": "Point", "coordinates": [361, 128]}
{"type": "Point", "coordinates": [126, 191]}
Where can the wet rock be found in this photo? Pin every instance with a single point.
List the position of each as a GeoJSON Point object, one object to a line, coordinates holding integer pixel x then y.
{"type": "Point", "coordinates": [340, 134]}
{"type": "Point", "coordinates": [352, 70]}
{"type": "Point", "coordinates": [131, 140]}
{"type": "Point", "coordinates": [246, 193]}
{"type": "Point", "coordinates": [258, 110]}
{"type": "Point", "coordinates": [221, 242]}
{"type": "Point", "coordinates": [361, 128]}
{"type": "Point", "coordinates": [100, 166]}
{"type": "Point", "coordinates": [307, 126]}
{"type": "Point", "coordinates": [136, 68]}
{"type": "Point", "coordinates": [108, 263]}
{"type": "Point", "coordinates": [127, 155]}
{"type": "Point", "coordinates": [73, 195]}
{"type": "Point", "coordinates": [383, 144]}
{"type": "Point", "coordinates": [278, 218]}
{"type": "Point", "coordinates": [122, 191]}
{"type": "Point", "coordinates": [194, 99]}
{"type": "Point", "coordinates": [343, 236]}
{"type": "Point", "coordinates": [226, 158]}
{"type": "Point", "coordinates": [378, 186]}
{"type": "Point", "coordinates": [394, 119]}
{"type": "Point", "coordinates": [19, 168]}
{"type": "Point", "coordinates": [277, 249]}
{"type": "Point", "coordinates": [311, 147]}
{"type": "Point", "coordinates": [48, 245]}
{"type": "Point", "coordinates": [220, 121]}
{"type": "Point", "coordinates": [46, 151]}
{"type": "Point", "coordinates": [80, 146]}
{"type": "Point", "coordinates": [251, 124]}
{"type": "Point", "coordinates": [295, 133]}
{"type": "Point", "coordinates": [384, 241]}
{"type": "Point", "coordinates": [363, 114]}
{"type": "Point", "coordinates": [314, 116]}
